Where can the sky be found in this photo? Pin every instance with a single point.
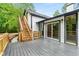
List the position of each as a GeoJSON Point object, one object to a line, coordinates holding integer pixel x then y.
{"type": "Point", "coordinates": [48, 8]}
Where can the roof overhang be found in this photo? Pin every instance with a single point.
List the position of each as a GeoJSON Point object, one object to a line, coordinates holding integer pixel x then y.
{"type": "Point", "coordinates": [34, 13]}
{"type": "Point", "coordinates": [65, 14]}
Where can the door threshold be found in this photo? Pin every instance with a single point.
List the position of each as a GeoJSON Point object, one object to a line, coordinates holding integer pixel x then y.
{"type": "Point", "coordinates": [52, 38]}
{"type": "Point", "coordinates": [71, 43]}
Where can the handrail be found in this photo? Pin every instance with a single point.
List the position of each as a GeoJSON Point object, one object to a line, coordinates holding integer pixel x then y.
{"type": "Point", "coordinates": [4, 40]}
{"type": "Point", "coordinates": [2, 35]}
{"type": "Point", "coordinates": [25, 20]}
{"type": "Point", "coordinates": [26, 23]}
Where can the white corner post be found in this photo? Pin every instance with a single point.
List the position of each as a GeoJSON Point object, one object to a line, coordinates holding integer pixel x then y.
{"type": "Point", "coordinates": [45, 31]}
{"type": "Point", "coordinates": [78, 30]}
{"type": "Point", "coordinates": [52, 30]}
{"type": "Point", "coordinates": [62, 35]}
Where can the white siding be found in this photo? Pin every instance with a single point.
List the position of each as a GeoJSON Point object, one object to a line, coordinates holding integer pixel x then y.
{"type": "Point", "coordinates": [59, 18]}
{"type": "Point", "coordinates": [70, 8]}
{"type": "Point", "coordinates": [34, 24]}
{"type": "Point", "coordinates": [45, 30]}
{"type": "Point", "coordinates": [29, 20]}
{"type": "Point", "coordinates": [34, 20]}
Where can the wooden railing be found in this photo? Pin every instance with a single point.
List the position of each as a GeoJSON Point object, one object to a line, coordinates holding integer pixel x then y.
{"type": "Point", "coordinates": [28, 28]}
{"type": "Point", "coordinates": [36, 35]}
{"type": "Point", "coordinates": [4, 40]}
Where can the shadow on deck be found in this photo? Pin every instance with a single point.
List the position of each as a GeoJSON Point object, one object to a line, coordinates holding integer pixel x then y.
{"type": "Point", "coordinates": [41, 47]}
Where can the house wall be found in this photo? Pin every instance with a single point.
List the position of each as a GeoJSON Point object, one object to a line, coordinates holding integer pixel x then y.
{"type": "Point", "coordinates": [29, 19]}
{"type": "Point", "coordinates": [34, 24]}
{"type": "Point", "coordinates": [45, 30]}
{"type": "Point", "coordinates": [34, 19]}
{"type": "Point", "coordinates": [62, 30]}
{"type": "Point", "coordinates": [55, 19]}
{"type": "Point", "coordinates": [70, 8]}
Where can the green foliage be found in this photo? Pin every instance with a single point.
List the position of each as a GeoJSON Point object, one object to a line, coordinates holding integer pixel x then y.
{"type": "Point", "coordinates": [71, 21]}
{"type": "Point", "coordinates": [9, 14]}
{"type": "Point", "coordinates": [24, 6]}
{"type": "Point", "coordinates": [56, 13]}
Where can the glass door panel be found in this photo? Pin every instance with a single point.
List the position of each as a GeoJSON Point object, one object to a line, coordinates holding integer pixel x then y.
{"type": "Point", "coordinates": [56, 30]}
{"type": "Point", "coordinates": [49, 30]}
{"type": "Point", "coordinates": [71, 28]}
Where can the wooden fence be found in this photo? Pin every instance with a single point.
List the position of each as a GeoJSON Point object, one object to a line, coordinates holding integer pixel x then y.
{"type": "Point", "coordinates": [4, 40]}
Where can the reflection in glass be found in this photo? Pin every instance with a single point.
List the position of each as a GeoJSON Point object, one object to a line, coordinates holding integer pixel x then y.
{"type": "Point", "coordinates": [56, 30]}
{"type": "Point", "coordinates": [41, 29]}
{"type": "Point", "coordinates": [49, 30]}
{"type": "Point", "coordinates": [71, 28]}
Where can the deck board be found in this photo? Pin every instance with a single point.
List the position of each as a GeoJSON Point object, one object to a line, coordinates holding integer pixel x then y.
{"type": "Point", "coordinates": [7, 51]}
{"type": "Point", "coordinates": [21, 53]}
{"type": "Point", "coordinates": [42, 47]}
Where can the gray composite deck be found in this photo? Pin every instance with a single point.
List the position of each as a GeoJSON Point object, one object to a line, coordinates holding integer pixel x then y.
{"type": "Point", "coordinates": [41, 47]}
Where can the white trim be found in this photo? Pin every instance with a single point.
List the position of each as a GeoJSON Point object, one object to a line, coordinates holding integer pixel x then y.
{"type": "Point", "coordinates": [62, 28]}
{"type": "Point", "coordinates": [52, 30]}
{"type": "Point", "coordinates": [71, 43]}
{"type": "Point", "coordinates": [55, 19]}
{"type": "Point", "coordinates": [45, 30]}
{"type": "Point", "coordinates": [52, 38]}
{"type": "Point", "coordinates": [78, 31]}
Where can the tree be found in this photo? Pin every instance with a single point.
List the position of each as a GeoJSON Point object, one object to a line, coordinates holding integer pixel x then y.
{"type": "Point", "coordinates": [9, 14]}
{"type": "Point", "coordinates": [24, 6]}
{"type": "Point", "coordinates": [56, 13]}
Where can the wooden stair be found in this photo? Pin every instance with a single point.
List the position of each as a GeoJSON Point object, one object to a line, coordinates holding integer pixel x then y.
{"type": "Point", "coordinates": [25, 33]}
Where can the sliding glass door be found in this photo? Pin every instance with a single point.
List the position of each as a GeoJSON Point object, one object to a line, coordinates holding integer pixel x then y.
{"type": "Point", "coordinates": [53, 30]}
{"type": "Point", "coordinates": [71, 25]}
{"type": "Point", "coordinates": [41, 29]}
{"type": "Point", "coordinates": [56, 29]}
{"type": "Point", "coordinates": [49, 30]}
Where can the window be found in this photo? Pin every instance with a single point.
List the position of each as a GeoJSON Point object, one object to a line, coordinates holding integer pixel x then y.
{"type": "Point", "coordinates": [71, 28]}
{"type": "Point", "coordinates": [41, 29]}
{"type": "Point", "coordinates": [56, 29]}
{"type": "Point", "coordinates": [49, 30]}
